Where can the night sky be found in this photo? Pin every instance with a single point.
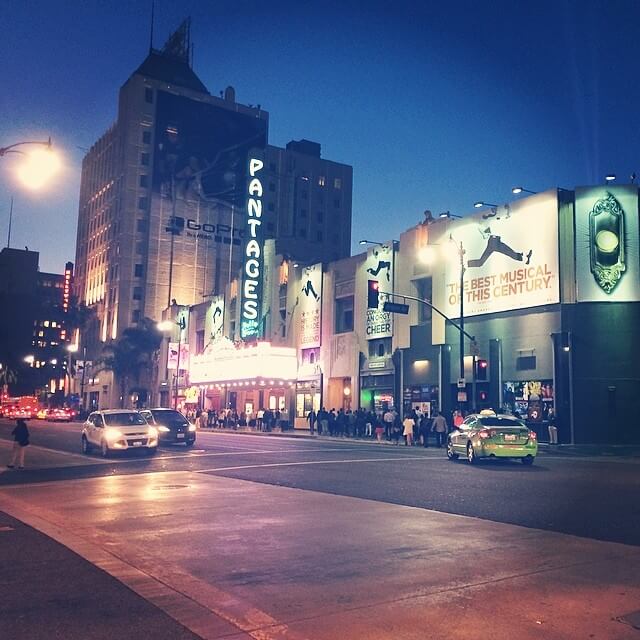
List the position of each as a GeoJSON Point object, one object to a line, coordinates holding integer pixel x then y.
{"type": "Point", "coordinates": [434, 107]}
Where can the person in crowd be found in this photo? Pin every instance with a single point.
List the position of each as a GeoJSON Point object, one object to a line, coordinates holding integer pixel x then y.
{"type": "Point", "coordinates": [553, 429]}
{"type": "Point", "coordinates": [323, 423]}
{"type": "Point", "coordinates": [20, 443]}
{"type": "Point", "coordinates": [369, 421]}
{"type": "Point", "coordinates": [203, 419]}
{"type": "Point", "coordinates": [311, 419]}
{"type": "Point", "coordinates": [425, 427]}
{"type": "Point", "coordinates": [440, 427]}
{"type": "Point", "coordinates": [380, 429]}
{"type": "Point", "coordinates": [388, 418]}
{"type": "Point", "coordinates": [259, 419]}
{"type": "Point", "coordinates": [408, 423]}
{"type": "Point", "coordinates": [332, 422]}
{"type": "Point", "coordinates": [396, 429]}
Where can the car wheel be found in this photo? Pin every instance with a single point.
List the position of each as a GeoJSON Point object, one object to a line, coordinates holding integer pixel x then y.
{"type": "Point", "coordinates": [471, 454]}
{"type": "Point", "coordinates": [86, 447]}
{"type": "Point", "coordinates": [528, 461]}
{"type": "Point", "coordinates": [104, 449]}
{"type": "Point", "coordinates": [451, 454]}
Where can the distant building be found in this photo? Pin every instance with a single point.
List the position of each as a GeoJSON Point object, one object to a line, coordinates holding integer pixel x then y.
{"type": "Point", "coordinates": [33, 324]}
{"type": "Point", "coordinates": [162, 194]}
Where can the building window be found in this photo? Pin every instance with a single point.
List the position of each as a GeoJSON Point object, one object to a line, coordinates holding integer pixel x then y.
{"type": "Point", "coordinates": [144, 180]}
{"type": "Point", "coordinates": [144, 159]}
{"type": "Point", "coordinates": [424, 292]}
{"type": "Point", "coordinates": [320, 216]}
{"type": "Point", "coordinates": [140, 248]}
{"type": "Point", "coordinates": [137, 293]}
{"type": "Point", "coordinates": [148, 95]}
{"type": "Point", "coordinates": [344, 315]}
{"type": "Point", "coordinates": [143, 203]}
{"type": "Point", "coordinates": [146, 136]}
{"type": "Point", "coordinates": [337, 183]}
{"type": "Point", "coordinates": [321, 181]}
{"type": "Point", "coordinates": [200, 341]}
{"type": "Point", "coordinates": [135, 316]}
{"type": "Point", "coordinates": [138, 270]}
{"type": "Point", "coordinates": [141, 225]}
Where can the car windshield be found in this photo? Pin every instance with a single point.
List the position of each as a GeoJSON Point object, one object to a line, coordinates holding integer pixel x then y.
{"type": "Point", "coordinates": [168, 417]}
{"type": "Point", "coordinates": [492, 421]}
{"type": "Point", "coordinates": [123, 419]}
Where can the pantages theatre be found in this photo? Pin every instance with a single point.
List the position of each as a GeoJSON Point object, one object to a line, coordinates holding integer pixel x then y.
{"type": "Point", "coordinates": [550, 293]}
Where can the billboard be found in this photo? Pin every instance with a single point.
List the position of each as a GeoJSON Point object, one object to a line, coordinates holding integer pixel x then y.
{"type": "Point", "coordinates": [172, 358]}
{"type": "Point", "coordinates": [379, 266]}
{"type": "Point", "coordinates": [510, 257]}
{"type": "Point", "coordinates": [214, 320]}
{"type": "Point", "coordinates": [607, 244]}
{"type": "Point", "coordinates": [310, 303]}
{"type": "Point", "coordinates": [194, 195]}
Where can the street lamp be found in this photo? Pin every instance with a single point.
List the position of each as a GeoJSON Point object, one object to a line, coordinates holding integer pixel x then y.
{"type": "Point", "coordinates": [517, 190]}
{"type": "Point", "coordinates": [610, 177]}
{"type": "Point", "coordinates": [167, 325]}
{"type": "Point", "coordinates": [482, 203]}
{"type": "Point", "coordinates": [73, 348]}
{"type": "Point", "coordinates": [40, 166]}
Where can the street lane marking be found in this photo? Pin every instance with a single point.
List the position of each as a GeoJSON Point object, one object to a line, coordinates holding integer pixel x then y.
{"type": "Point", "coordinates": [296, 464]}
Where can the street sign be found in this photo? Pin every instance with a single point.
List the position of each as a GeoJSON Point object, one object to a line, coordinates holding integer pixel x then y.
{"type": "Point", "coordinates": [462, 396]}
{"type": "Point", "coordinates": [462, 383]}
{"type": "Point", "coordinates": [396, 307]}
{"type": "Point", "coordinates": [475, 349]}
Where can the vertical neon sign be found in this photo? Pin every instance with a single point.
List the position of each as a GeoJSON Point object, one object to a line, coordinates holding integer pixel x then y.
{"type": "Point", "coordinates": [250, 310]}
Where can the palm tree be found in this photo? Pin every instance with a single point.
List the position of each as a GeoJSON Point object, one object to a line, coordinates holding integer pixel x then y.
{"type": "Point", "coordinates": [130, 354]}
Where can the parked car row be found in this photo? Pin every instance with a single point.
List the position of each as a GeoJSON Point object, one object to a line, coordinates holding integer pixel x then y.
{"type": "Point", "coordinates": [113, 430]}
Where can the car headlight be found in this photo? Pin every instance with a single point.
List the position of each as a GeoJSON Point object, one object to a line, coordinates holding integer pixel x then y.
{"type": "Point", "coordinates": [153, 432]}
{"type": "Point", "coordinates": [192, 427]}
{"type": "Point", "coordinates": [112, 434]}
{"type": "Point", "coordinates": [163, 429]}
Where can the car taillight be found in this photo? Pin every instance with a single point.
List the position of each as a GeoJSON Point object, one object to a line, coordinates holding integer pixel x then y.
{"type": "Point", "coordinates": [484, 434]}
{"type": "Point", "coordinates": [533, 435]}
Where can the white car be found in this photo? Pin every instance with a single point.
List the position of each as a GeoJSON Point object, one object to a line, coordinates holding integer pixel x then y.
{"type": "Point", "coordinates": [118, 430]}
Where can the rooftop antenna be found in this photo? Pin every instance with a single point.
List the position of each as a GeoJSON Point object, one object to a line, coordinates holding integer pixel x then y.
{"type": "Point", "coordinates": [153, 4]}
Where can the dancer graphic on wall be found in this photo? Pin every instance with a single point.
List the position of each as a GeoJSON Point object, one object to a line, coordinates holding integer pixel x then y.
{"type": "Point", "coordinates": [495, 244]}
{"type": "Point", "coordinates": [382, 264]}
{"type": "Point", "coordinates": [308, 289]}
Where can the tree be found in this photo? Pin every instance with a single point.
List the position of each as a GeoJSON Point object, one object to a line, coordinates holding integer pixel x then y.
{"type": "Point", "coordinates": [133, 352]}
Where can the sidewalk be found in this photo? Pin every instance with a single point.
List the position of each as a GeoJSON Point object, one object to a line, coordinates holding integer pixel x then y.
{"type": "Point", "coordinates": [545, 448]}
{"type": "Point", "coordinates": [47, 591]}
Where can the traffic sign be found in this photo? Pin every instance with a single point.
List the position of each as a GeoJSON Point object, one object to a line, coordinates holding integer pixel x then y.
{"type": "Point", "coordinates": [396, 307]}
{"type": "Point", "coordinates": [461, 383]}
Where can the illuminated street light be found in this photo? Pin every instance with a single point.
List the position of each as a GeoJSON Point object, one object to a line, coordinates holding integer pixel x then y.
{"type": "Point", "coordinates": [610, 177]}
{"type": "Point", "coordinates": [518, 190]}
{"type": "Point", "coordinates": [29, 359]}
{"type": "Point", "coordinates": [40, 165]}
{"type": "Point", "coordinates": [481, 203]}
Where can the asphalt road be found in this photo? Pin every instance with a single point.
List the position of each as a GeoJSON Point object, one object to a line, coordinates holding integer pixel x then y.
{"type": "Point", "coordinates": [592, 497]}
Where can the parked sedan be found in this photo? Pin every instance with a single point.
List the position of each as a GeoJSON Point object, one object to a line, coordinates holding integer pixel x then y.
{"type": "Point", "coordinates": [492, 436]}
{"type": "Point", "coordinates": [172, 426]}
{"type": "Point", "coordinates": [118, 430]}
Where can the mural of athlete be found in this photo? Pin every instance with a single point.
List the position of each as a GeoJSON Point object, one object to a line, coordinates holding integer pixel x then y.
{"type": "Point", "coordinates": [382, 264]}
{"type": "Point", "coordinates": [496, 245]}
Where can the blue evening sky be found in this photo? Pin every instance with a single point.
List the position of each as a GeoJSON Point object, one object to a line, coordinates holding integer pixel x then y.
{"type": "Point", "coordinates": [435, 105]}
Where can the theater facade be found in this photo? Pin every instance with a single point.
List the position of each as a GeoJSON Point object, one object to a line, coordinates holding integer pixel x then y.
{"type": "Point", "coordinates": [546, 288]}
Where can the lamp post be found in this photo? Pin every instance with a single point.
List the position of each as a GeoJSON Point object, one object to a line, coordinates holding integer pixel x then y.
{"type": "Point", "coordinates": [73, 348]}
{"type": "Point", "coordinates": [167, 325]}
{"type": "Point", "coordinates": [40, 166]}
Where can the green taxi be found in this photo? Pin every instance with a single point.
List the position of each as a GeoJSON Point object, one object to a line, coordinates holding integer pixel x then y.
{"type": "Point", "coordinates": [491, 435]}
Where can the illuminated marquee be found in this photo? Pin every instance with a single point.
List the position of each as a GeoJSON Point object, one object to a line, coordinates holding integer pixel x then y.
{"type": "Point", "coordinates": [250, 321]}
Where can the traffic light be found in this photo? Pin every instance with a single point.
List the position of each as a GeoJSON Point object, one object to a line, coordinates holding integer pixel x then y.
{"type": "Point", "coordinates": [373, 295]}
{"type": "Point", "coordinates": [482, 369]}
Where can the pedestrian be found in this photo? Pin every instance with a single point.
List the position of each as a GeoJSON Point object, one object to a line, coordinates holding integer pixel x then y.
{"type": "Point", "coordinates": [311, 419]}
{"type": "Point", "coordinates": [203, 419]}
{"type": "Point", "coordinates": [396, 430]}
{"type": "Point", "coordinates": [440, 428]}
{"type": "Point", "coordinates": [369, 421]}
{"type": "Point", "coordinates": [553, 430]}
{"type": "Point", "coordinates": [425, 426]}
{"type": "Point", "coordinates": [323, 426]}
{"type": "Point", "coordinates": [408, 424]}
{"type": "Point", "coordinates": [388, 418]}
{"type": "Point", "coordinates": [20, 443]}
